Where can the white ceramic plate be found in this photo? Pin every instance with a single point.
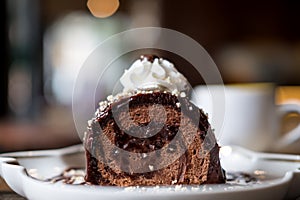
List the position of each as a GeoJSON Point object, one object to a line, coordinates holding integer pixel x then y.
{"type": "Point", "coordinates": [279, 177]}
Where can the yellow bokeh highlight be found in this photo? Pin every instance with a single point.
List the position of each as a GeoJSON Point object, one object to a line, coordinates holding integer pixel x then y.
{"type": "Point", "coordinates": [103, 8]}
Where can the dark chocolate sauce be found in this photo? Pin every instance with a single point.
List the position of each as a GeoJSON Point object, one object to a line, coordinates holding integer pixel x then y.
{"type": "Point", "coordinates": [240, 178]}
{"type": "Point", "coordinates": [75, 176]}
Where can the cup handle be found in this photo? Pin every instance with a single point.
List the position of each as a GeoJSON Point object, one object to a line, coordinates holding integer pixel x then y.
{"type": "Point", "coordinates": [293, 135]}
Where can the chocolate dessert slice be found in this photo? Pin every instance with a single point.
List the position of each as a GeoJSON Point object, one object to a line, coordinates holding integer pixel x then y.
{"type": "Point", "coordinates": [150, 137]}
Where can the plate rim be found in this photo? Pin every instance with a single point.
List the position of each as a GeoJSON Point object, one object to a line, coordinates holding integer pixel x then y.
{"type": "Point", "coordinates": [7, 158]}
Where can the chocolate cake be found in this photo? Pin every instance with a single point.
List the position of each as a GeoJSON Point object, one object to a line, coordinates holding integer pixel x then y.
{"type": "Point", "coordinates": [151, 136]}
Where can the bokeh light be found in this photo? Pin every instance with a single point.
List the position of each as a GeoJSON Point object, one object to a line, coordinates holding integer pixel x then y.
{"type": "Point", "coordinates": [103, 8]}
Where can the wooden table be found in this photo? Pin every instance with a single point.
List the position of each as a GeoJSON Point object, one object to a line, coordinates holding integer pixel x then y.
{"type": "Point", "coordinates": [6, 193]}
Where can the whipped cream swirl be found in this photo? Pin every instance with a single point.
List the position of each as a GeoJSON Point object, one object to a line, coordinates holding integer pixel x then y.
{"type": "Point", "coordinates": [156, 74]}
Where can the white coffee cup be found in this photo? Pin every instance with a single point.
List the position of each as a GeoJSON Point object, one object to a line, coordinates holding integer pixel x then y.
{"type": "Point", "coordinates": [246, 115]}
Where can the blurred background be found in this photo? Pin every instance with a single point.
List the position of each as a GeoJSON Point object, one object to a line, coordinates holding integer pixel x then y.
{"type": "Point", "coordinates": [44, 43]}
